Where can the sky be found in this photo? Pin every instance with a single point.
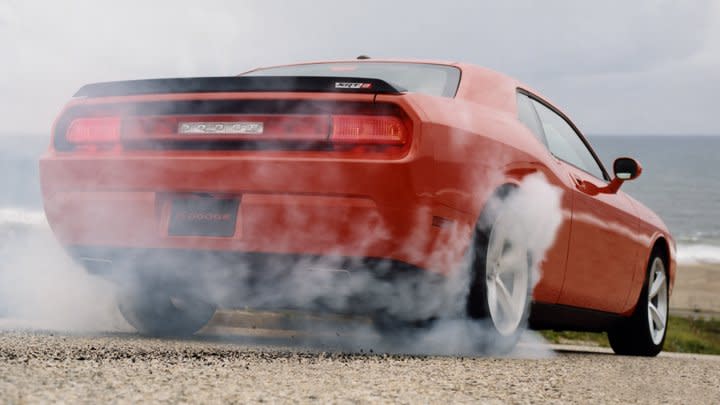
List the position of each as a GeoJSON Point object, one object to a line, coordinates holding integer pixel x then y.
{"type": "Point", "coordinates": [615, 66]}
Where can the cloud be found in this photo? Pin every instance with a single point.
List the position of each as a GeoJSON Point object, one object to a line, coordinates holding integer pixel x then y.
{"type": "Point", "coordinates": [564, 48]}
{"type": "Point", "coordinates": [673, 95]}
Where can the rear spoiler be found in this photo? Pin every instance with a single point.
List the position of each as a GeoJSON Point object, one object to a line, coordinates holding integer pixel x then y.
{"type": "Point", "coordinates": [311, 84]}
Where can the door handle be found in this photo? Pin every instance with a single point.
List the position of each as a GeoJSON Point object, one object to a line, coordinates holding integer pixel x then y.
{"type": "Point", "coordinates": [586, 187]}
{"type": "Point", "coordinates": [578, 182]}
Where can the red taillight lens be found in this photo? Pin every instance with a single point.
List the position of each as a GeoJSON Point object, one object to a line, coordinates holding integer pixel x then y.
{"type": "Point", "coordinates": [94, 133]}
{"type": "Point", "coordinates": [342, 132]}
{"type": "Point", "coordinates": [368, 129]}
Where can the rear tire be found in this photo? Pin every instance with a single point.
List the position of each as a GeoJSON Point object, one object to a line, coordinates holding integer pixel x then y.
{"type": "Point", "coordinates": [402, 329]}
{"type": "Point", "coordinates": [643, 334]}
{"type": "Point", "coordinates": [501, 283]}
{"type": "Point", "coordinates": [160, 313]}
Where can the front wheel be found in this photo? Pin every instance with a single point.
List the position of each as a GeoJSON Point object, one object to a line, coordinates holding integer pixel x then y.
{"type": "Point", "coordinates": [643, 334]}
{"type": "Point", "coordinates": [160, 313]}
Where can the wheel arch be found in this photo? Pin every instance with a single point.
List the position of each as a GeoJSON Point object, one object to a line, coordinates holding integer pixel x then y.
{"type": "Point", "coordinates": [498, 194]}
{"type": "Point", "coordinates": [662, 247]}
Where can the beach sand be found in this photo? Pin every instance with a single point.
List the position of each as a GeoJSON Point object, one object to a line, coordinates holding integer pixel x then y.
{"type": "Point", "coordinates": [697, 290]}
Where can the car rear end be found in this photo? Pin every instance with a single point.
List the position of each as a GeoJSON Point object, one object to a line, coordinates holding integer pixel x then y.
{"type": "Point", "coordinates": [189, 175]}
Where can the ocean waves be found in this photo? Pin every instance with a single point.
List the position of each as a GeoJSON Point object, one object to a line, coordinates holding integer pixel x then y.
{"type": "Point", "coordinates": [695, 254]}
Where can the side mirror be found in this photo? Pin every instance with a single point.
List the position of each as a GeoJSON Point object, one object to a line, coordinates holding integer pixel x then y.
{"type": "Point", "coordinates": [627, 168]}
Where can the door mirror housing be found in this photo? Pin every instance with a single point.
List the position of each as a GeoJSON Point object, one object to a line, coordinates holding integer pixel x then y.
{"type": "Point", "coordinates": [626, 168]}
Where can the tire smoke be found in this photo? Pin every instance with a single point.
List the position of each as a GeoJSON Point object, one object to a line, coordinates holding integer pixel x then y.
{"type": "Point", "coordinates": [41, 287]}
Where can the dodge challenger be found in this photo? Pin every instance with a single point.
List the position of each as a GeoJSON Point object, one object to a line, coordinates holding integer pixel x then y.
{"type": "Point", "coordinates": [358, 186]}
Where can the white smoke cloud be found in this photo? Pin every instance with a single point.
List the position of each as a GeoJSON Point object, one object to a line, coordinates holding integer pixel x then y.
{"type": "Point", "coordinates": [40, 287]}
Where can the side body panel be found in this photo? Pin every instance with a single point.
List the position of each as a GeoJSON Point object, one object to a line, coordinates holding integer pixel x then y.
{"type": "Point", "coordinates": [606, 251]}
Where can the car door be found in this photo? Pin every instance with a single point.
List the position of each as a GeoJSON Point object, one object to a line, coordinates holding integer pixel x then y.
{"type": "Point", "coordinates": [602, 250]}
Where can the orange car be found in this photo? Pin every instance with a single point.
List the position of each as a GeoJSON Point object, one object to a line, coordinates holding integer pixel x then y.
{"type": "Point", "coordinates": [355, 186]}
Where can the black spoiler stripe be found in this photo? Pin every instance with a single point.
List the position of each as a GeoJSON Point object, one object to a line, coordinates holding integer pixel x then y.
{"type": "Point", "coordinates": [239, 84]}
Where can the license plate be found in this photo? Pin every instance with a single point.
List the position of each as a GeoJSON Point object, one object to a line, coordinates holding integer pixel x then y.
{"type": "Point", "coordinates": [203, 216]}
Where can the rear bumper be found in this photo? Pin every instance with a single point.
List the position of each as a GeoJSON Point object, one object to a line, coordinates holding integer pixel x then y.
{"type": "Point", "coordinates": [320, 207]}
{"type": "Point", "coordinates": [348, 285]}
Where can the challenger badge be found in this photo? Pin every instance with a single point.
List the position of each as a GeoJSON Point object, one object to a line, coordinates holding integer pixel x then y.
{"type": "Point", "coordinates": [229, 128]}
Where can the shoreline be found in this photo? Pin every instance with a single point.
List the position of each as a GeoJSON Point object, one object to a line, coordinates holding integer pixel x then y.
{"type": "Point", "coordinates": [697, 290]}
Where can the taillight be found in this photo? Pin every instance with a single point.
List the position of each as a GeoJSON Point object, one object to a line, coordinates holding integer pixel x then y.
{"type": "Point", "coordinates": [363, 132]}
{"type": "Point", "coordinates": [97, 133]}
{"type": "Point", "coordinates": [368, 129]}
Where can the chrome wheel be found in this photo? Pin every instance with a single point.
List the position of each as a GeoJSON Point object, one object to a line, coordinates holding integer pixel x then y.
{"type": "Point", "coordinates": [657, 310]}
{"type": "Point", "coordinates": [507, 275]}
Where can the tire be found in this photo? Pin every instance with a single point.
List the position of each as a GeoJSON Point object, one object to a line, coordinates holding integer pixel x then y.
{"type": "Point", "coordinates": [400, 329]}
{"type": "Point", "coordinates": [643, 334]}
{"type": "Point", "coordinates": [160, 313]}
{"type": "Point", "coordinates": [501, 282]}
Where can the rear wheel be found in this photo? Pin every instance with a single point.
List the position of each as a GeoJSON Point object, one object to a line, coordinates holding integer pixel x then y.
{"type": "Point", "coordinates": [156, 312]}
{"type": "Point", "coordinates": [501, 283]}
{"type": "Point", "coordinates": [643, 334]}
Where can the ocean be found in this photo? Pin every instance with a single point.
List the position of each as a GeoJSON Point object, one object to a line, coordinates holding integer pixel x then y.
{"type": "Point", "coordinates": [680, 181]}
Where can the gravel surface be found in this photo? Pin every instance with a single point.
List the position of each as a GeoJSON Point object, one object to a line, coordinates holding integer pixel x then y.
{"type": "Point", "coordinates": [49, 367]}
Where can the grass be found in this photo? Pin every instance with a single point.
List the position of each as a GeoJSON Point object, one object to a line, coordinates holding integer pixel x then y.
{"type": "Point", "coordinates": [693, 336]}
{"type": "Point", "coordinates": [685, 335]}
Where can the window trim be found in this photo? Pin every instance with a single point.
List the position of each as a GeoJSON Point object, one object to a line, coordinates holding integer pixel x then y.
{"type": "Point", "coordinates": [589, 147]}
{"type": "Point", "coordinates": [543, 136]}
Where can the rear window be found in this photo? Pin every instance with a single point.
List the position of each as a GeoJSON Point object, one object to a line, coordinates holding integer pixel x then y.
{"type": "Point", "coordinates": [435, 80]}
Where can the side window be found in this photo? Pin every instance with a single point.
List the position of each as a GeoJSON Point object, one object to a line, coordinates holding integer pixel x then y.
{"type": "Point", "coordinates": [565, 143]}
{"type": "Point", "coordinates": [527, 115]}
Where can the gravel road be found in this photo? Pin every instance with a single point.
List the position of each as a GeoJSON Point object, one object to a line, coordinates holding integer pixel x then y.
{"type": "Point", "coordinates": [123, 367]}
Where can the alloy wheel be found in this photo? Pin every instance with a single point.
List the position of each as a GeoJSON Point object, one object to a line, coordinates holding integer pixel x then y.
{"type": "Point", "coordinates": [657, 301]}
{"type": "Point", "coordinates": [507, 275]}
